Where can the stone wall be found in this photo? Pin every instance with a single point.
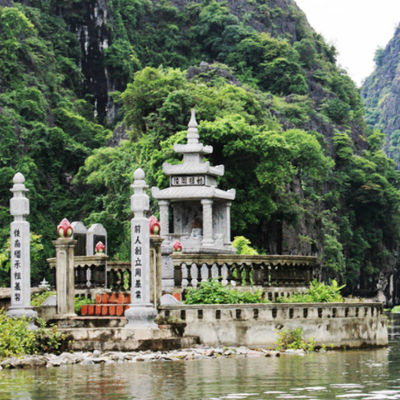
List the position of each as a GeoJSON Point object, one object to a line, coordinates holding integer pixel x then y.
{"type": "Point", "coordinates": [331, 324]}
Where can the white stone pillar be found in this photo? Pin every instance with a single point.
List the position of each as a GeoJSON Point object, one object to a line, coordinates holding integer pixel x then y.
{"type": "Point", "coordinates": [141, 313]}
{"type": "Point", "coordinates": [207, 223]}
{"type": "Point", "coordinates": [65, 276]}
{"type": "Point", "coordinates": [227, 238]}
{"type": "Point", "coordinates": [164, 218]}
{"type": "Point", "coordinates": [20, 253]}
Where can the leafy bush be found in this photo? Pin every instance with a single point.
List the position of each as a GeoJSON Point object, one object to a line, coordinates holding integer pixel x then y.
{"type": "Point", "coordinates": [396, 309]}
{"type": "Point", "coordinates": [242, 246]}
{"type": "Point", "coordinates": [49, 339]}
{"type": "Point", "coordinates": [317, 293]}
{"type": "Point", "coordinates": [213, 292]}
{"type": "Point", "coordinates": [293, 339]}
{"type": "Point", "coordinates": [38, 299]}
{"type": "Point", "coordinates": [16, 339]}
{"type": "Point", "coordinates": [80, 301]}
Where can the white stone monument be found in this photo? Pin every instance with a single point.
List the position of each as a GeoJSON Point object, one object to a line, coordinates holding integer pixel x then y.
{"type": "Point", "coordinates": [20, 253]}
{"type": "Point", "coordinates": [141, 313]}
{"type": "Point", "coordinates": [80, 235]}
{"type": "Point", "coordinates": [96, 233]}
{"type": "Point", "coordinates": [201, 211]}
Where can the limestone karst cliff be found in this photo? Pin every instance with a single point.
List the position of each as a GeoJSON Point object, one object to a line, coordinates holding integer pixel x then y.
{"type": "Point", "coordinates": [92, 89]}
{"type": "Point", "coordinates": [381, 93]}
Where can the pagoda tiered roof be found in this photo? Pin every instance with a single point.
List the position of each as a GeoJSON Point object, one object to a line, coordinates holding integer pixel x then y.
{"type": "Point", "coordinates": [194, 178]}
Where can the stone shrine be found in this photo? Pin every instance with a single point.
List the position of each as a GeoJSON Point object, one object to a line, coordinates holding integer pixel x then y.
{"type": "Point", "coordinates": [200, 211]}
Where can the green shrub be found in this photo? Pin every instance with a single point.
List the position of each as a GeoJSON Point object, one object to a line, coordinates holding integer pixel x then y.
{"type": "Point", "coordinates": [80, 301]}
{"type": "Point", "coordinates": [213, 292]}
{"type": "Point", "coordinates": [317, 293]}
{"type": "Point", "coordinates": [49, 339]}
{"type": "Point", "coordinates": [242, 246]}
{"type": "Point", "coordinates": [16, 339]}
{"type": "Point", "coordinates": [293, 339]}
{"type": "Point", "coordinates": [38, 299]}
{"type": "Point", "coordinates": [396, 309]}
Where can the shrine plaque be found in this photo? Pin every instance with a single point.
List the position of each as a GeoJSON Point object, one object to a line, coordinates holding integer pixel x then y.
{"type": "Point", "coordinates": [188, 180]}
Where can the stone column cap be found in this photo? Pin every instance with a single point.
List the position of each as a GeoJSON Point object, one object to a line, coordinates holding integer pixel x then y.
{"type": "Point", "coordinates": [64, 241]}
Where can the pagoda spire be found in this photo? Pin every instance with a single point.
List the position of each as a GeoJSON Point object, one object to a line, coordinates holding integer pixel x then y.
{"type": "Point", "coordinates": [193, 132]}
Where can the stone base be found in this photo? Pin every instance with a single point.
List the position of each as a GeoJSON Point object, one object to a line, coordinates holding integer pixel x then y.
{"type": "Point", "coordinates": [141, 316]}
{"type": "Point", "coordinates": [19, 312]}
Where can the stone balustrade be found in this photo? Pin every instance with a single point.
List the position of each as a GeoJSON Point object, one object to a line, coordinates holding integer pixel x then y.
{"type": "Point", "coordinates": [270, 311]}
{"type": "Point", "coordinates": [336, 324]}
{"type": "Point", "coordinates": [264, 270]}
{"type": "Point", "coordinates": [89, 271]}
{"type": "Point", "coordinates": [118, 275]}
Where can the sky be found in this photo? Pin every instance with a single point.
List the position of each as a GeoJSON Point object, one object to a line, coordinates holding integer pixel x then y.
{"type": "Point", "coordinates": [355, 27]}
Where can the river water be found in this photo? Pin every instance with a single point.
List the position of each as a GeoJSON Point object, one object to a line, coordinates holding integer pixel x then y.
{"type": "Point", "coordinates": [362, 374]}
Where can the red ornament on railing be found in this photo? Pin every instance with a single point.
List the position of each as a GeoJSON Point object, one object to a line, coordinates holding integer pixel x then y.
{"type": "Point", "coordinates": [154, 225]}
{"type": "Point", "coordinates": [100, 248]}
{"type": "Point", "coordinates": [64, 229]}
{"type": "Point", "coordinates": [177, 247]}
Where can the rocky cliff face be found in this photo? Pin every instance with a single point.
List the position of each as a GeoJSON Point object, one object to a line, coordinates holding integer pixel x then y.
{"type": "Point", "coordinates": [381, 93]}
{"type": "Point", "coordinates": [271, 73]}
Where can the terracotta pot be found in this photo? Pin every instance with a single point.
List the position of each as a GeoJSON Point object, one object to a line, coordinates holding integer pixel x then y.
{"type": "Point", "coordinates": [121, 298]}
{"type": "Point", "coordinates": [104, 298]}
{"type": "Point", "coordinates": [119, 310]}
{"type": "Point", "coordinates": [113, 298]}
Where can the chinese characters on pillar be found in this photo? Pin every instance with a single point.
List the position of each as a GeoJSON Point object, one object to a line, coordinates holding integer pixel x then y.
{"type": "Point", "coordinates": [16, 259]}
{"type": "Point", "coordinates": [138, 262]}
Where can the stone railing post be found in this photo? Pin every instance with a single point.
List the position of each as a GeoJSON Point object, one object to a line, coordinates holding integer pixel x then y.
{"type": "Point", "coordinates": [65, 274]}
{"type": "Point", "coordinates": [207, 222]}
{"type": "Point", "coordinates": [156, 261]}
{"type": "Point", "coordinates": [20, 254]}
{"type": "Point", "coordinates": [164, 218]}
{"type": "Point", "coordinates": [141, 313]}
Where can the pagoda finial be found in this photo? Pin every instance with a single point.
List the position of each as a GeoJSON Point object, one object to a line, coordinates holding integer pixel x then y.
{"type": "Point", "coordinates": [193, 135]}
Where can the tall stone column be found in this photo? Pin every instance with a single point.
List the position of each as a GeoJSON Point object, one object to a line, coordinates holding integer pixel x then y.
{"type": "Point", "coordinates": [164, 218]}
{"type": "Point", "coordinates": [141, 313]}
{"type": "Point", "coordinates": [227, 238]}
{"type": "Point", "coordinates": [20, 253]}
{"type": "Point", "coordinates": [65, 276]}
{"type": "Point", "coordinates": [207, 222]}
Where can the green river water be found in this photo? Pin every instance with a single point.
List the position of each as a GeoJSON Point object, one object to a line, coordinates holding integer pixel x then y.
{"type": "Point", "coordinates": [362, 374]}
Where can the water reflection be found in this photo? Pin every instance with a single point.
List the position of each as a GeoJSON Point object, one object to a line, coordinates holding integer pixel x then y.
{"type": "Point", "coordinates": [373, 374]}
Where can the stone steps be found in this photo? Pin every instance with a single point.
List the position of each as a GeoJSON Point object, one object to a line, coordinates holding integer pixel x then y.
{"type": "Point", "coordinates": [136, 345]}
{"type": "Point", "coordinates": [125, 339]}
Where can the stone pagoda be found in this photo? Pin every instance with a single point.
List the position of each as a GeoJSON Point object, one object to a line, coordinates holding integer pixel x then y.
{"type": "Point", "coordinates": [200, 211]}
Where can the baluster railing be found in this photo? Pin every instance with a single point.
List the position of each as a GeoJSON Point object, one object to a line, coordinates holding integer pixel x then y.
{"type": "Point", "coordinates": [265, 271]}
